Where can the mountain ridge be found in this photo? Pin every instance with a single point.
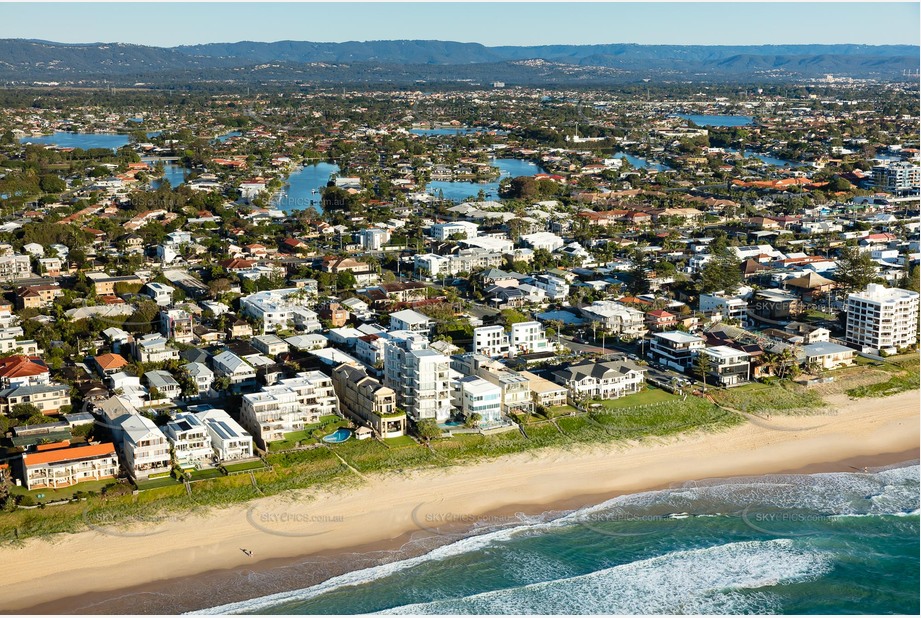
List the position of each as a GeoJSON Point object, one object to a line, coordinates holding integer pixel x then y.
{"type": "Point", "coordinates": [407, 60]}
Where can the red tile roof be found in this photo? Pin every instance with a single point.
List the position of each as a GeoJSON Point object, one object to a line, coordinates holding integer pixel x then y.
{"type": "Point", "coordinates": [20, 366]}
{"type": "Point", "coordinates": [69, 454]}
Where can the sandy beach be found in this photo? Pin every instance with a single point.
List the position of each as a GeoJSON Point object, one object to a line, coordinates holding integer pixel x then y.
{"type": "Point", "coordinates": [71, 572]}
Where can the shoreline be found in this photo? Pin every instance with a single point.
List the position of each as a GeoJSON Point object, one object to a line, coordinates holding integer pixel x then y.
{"type": "Point", "coordinates": [383, 516]}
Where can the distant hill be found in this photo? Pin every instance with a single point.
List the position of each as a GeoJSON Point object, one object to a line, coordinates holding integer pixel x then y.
{"type": "Point", "coordinates": [405, 62]}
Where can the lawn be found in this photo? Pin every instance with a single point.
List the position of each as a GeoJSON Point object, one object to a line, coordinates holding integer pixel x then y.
{"type": "Point", "coordinates": [200, 475]}
{"type": "Point", "coordinates": [165, 481]}
{"type": "Point", "coordinates": [399, 442]}
{"type": "Point", "coordinates": [645, 397]}
{"type": "Point", "coordinates": [244, 466]}
{"type": "Point", "coordinates": [561, 411]}
{"type": "Point", "coordinates": [777, 397]}
{"type": "Point", "coordinates": [62, 493]}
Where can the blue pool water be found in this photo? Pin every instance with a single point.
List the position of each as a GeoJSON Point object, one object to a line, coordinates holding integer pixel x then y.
{"type": "Point", "coordinates": [340, 435]}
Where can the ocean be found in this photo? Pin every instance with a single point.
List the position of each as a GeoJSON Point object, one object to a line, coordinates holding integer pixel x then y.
{"type": "Point", "coordinates": [836, 543]}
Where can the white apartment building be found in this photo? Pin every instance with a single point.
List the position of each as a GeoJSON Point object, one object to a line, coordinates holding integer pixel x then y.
{"type": "Point", "coordinates": [554, 287]}
{"type": "Point", "coordinates": [161, 293]}
{"type": "Point", "coordinates": [177, 324]}
{"type": "Point", "coordinates": [419, 377]}
{"type": "Point", "coordinates": [543, 240]}
{"type": "Point", "coordinates": [897, 177]}
{"type": "Point", "coordinates": [276, 308]}
{"type": "Point", "coordinates": [144, 448]}
{"type": "Point", "coordinates": [190, 439]}
{"type": "Point", "coordinates": [882, 319]}
{"type": "Point", "coordinates": [288, 406]}
{"type": "Point", "coordinates": [616, 318]}
{"type": "Point", "coordinates": [154, 348]}
{"type": "Point", "coordinates": [473, 395]}
{"type": "Point", "coordinates": [411, 321]}
{"type": "Point", "coordinates": [228, 439]}
{"type": "Point", "coordinates": [490, 341]}
{"type": "Point", "coordinates": [528, 338]}
{"type": "Point", "coordinates": [372, 239]}
{"type": "Point", "coordinates": [675, 349]}
{"type": "Point", "coordinates": [728, 307]}
{"type": "Point", "coordinates": [14, 267]}
{"type": "Point", "coordinates": [64, 467]}
{"type": "Point", "coordinates": [444, 231]}
{"type": "Point", "coordinates": [466, 261]}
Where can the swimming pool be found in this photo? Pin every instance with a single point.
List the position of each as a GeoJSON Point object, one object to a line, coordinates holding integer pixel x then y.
{"type": "Point", "coordinates": [340, 435]}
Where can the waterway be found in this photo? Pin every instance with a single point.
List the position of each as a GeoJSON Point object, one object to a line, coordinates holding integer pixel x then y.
{"type": "Point", "coordinates": [304, 187]}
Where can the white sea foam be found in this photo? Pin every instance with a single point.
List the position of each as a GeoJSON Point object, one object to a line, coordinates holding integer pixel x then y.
{"type": "Point", "coordinates": [717, 580]}
{"type": "Point", "coordinates": [887, 492]}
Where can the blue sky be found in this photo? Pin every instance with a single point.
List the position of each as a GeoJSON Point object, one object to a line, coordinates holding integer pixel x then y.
{"type": "Point", "coordinates": [515, 23]}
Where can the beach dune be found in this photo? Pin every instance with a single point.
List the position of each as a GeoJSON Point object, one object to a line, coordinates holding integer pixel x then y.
{"type": "Point", "coordinates": [387, 507]}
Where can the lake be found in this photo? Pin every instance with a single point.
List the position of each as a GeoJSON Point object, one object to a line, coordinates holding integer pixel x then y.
{"type": "Point", "coordinates": [462, 190]}
{"type": "Point", "coordinates": [639, 163]}
{"type": "Point", "coordinates": [175, 174]}
{"type": "Point", "coordinates": [767, 159]}
{"type": "Point", "coordinates": [716, 120]}
{"type": "Point", "coordinates": [297, 194]}
{"type": "Point", "coordinates": [63, 139]}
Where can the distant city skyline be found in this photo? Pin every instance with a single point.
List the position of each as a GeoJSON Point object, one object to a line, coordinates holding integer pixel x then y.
{"type": "Point", "coordinates": [166, 24]}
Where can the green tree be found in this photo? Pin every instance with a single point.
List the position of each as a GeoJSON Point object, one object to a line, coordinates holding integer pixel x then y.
{"type": "Point", "coordinates": [702, 366]}
{"type": "Point", "coordinates": [427, 429]}
{"type": "Point", "coordinates": [50, 183]}
{"type": "Point", "coordinates": [856, 269]}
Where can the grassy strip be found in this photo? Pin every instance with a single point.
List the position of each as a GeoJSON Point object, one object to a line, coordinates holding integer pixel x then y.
{"type": "Point", "coordinates": [768, 398]}
{"type": "Point", "coordinates": [906, 377]}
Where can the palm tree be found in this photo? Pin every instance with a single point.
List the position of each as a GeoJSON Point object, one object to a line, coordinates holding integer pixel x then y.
{"type": "Point", "coordinates": [702, 366]}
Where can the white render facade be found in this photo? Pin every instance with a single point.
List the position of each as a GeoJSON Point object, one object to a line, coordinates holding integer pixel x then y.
{"type": "Point", "coordinates": [288, 406]}
{"type": "Point", "coordinates": [490, 341]}
{"type": "Point", "coordinates": [419, 377]}
{"type": "Point", "coordinates": [144, 448]}
{"type": "Point", "coordinates": [529, 338]}
{"type": "Point", "coordinates": [882, 318]}
{"type": "Point", "coordinates": [190, 439]}
{"type": "Point", "coordinates": [229, 440]}
{"type": "Point", "coordinates": [275, 308]}
{"type": "Point", "coordinates": [473, 395]}
{"type": "Point", "coordinates": [616, 318]}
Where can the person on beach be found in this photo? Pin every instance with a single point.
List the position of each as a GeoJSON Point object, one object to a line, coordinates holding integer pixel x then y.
{"type": "Point", "coordinates": [246, 551]}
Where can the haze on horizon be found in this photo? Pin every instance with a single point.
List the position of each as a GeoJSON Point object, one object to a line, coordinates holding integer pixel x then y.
{"type": "Point", "coordinates": [167, 24]}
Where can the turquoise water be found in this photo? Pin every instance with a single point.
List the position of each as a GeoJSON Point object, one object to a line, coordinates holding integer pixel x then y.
{"type": "Point", "coordinates": [80, 140]}
{"type": "Point", "coordinates": [460, 191]}
{"type": "Point", "coordinates": [298, 192]}
{"type": "Point", "coordinates": [717, 120]}
{"type": "Point", "coordinates": [785, 544]}
{"type": "Point", "coordinates": [340, 435]}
